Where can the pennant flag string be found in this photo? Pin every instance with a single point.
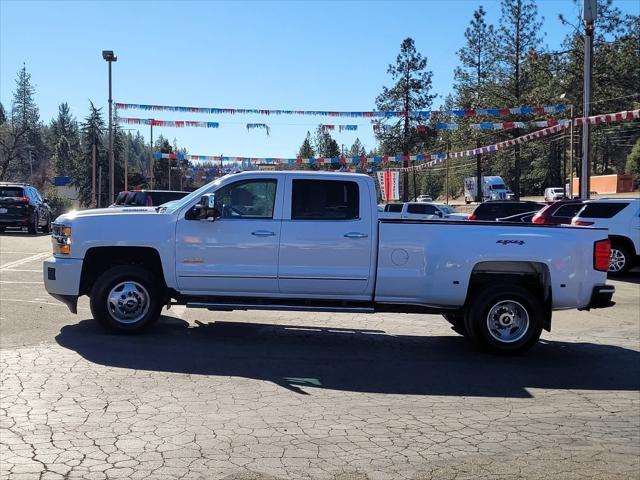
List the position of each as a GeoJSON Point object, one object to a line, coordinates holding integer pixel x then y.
{"type": "Point", "coordinates": [166, 123]}
{"type": "Point", "coordinates": [251, 126]}
{"type": "Point", "coordinates": [460, 113]}
{"type": "Point", "coordinates": [428, 159]}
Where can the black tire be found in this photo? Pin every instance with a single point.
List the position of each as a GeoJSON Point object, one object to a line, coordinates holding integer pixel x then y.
{"type": "Point", "coordinates": [457, 322]}
{"type": "Point", "coordinates": [510, 299]}
{"type": "Point", "coordinates": [149, 309]}
{"type": "Point", "coordinates": [47, 226]}
{"type": "Point", "coordinates": [621, 259]}
{"type": "Point", "coordinates": [33, 226]}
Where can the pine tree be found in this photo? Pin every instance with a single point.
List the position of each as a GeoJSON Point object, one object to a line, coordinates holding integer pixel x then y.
{"type": "Point", "coordinates": [410, 92]}
{"type": "Point", "coordinates": [477, 58]}
{"type": "Point", "coordinates": [24, 111]}
{"type": "Point", "coordinates": [325, 145]}
{"type": "Point", "coordinates": [25, 119]}
{"type": "Point", "coordinates": [92, 134]}
{"type": "Point", "coordinates": [357, 149]}
{"type": "Point", "coordinates": [306, 149]}
{"type": "Point", "coordinates": [64, 126]}
{"type": "Point", "coordinates": [63, 158]}
{"type": "Point", "coordinates": [518, 36]}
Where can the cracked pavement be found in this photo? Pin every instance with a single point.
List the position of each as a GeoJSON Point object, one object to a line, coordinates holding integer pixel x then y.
{"type": "Point", "coordinates": [270, 395]}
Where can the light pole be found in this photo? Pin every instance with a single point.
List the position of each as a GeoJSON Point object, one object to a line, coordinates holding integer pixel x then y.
{"type": "Point", "coordinates": [589, 9]}
{"type": "Point", "coordinates": [110, 57]}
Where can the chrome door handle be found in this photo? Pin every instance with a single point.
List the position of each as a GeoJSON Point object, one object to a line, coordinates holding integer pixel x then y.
{"type": "Point", "coordinates": [263, 233]}
{"type": "Point", "coordinates": [355, 235]}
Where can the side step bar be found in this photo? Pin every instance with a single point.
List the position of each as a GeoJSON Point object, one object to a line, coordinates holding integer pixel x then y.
{"type": "Point", "coordinates": [293, 307]}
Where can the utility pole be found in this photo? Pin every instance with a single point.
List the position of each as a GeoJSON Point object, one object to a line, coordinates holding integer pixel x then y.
{"type": "Point", "coordinates": [169, 182]}
{"type": "Point", "coordinates": [478, 174]}
{"type": "Point", "coordinates": [93, 173]}
{"type": "Point", "coordinates": [126, 167]}
{"type": "Point", "coordinates": [151, 159]}
{"type": "Point", "coordinates": [99, 187]}
{"type": "Point", "coordinates": [571, 154]}
{"type": "Point", "coordinates": [589, 11]}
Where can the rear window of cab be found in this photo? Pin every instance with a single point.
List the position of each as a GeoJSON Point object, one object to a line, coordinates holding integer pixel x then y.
{"type": "Point", "coordinates": [601, 210]}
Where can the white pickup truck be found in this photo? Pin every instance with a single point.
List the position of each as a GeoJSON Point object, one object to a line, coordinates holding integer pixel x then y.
{"type": "Point", "coordinates": [312, 241]}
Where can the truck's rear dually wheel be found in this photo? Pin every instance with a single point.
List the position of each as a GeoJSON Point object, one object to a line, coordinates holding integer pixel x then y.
{"type": "Point", "coordinates": [504, 318]}
{"type": "Point", "coordinates": [126, 298]}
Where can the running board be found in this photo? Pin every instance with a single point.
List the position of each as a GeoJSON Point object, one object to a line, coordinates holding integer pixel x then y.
{"type": "Point", "coordinates": [292, 307]}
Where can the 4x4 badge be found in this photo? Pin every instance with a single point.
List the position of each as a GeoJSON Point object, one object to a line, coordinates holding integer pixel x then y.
{"type": "Point", "coordinates": [511, 242]}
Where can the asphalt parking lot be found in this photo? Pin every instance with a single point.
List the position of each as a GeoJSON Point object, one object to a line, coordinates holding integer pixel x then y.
{"type": "Point", "coordinates": [268, 395]}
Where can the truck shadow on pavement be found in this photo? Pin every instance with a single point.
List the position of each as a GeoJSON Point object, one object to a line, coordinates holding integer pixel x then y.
{"type": "Point", "coordinates": [355, 360]}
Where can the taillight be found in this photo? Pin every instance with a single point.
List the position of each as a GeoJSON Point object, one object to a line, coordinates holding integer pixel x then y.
{"type": "Point", "coordinates": [22, 199]}
{"type": "Point", "coordinates": [472, 217]}
{"type": "Point", "coordinates": [537, 219]}
{"type": "Point", "coordinates": [601, 254]}
{"type": "Point", "coordinates": [582, 223]}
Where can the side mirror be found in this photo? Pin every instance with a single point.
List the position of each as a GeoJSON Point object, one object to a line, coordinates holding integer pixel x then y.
{"type": "Point", "coordinates": [207, 208]}
{"type": "Point", "coordinates": [439, 213]}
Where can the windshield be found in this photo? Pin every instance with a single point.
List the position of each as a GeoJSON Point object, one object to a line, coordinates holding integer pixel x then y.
{"type": "Point", "coordinates": [193, 195]}
{"type": "Point", "coordinates": [498, 186]}
{"type": "Point", "coordinates": [558, 190]}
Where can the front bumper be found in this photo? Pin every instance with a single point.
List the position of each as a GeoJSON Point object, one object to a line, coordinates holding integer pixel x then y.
{"type": "Point", "coordinates": [62, 279]}
{"type": "Point", "coordinates": [601, 297]}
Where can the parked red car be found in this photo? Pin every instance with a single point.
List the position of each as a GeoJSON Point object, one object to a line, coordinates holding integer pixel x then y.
{"type": "Point", "coordinates": [558, 213]}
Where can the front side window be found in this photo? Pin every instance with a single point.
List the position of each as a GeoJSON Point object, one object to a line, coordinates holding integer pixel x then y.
{"type": "Point", "coordinates": [247, 199]}
{"type": "Point", "coordinates": [418, 209]}
{"type": "Point", "coordinates": [325, 200]}
{"type": "Point", "coordinates": [568, 210]}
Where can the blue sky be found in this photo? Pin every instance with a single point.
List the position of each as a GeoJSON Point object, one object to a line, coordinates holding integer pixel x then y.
{"type": "Point", "coordinates": [289, 55]}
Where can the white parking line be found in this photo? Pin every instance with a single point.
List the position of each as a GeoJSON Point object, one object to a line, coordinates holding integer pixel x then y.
{"type": "Point", "coordinates": [30, 283]}
{"type": "Point", "coordinates": [21, 270]}
{"type": "Point", "coordinates": [40, 302]}
{"type": "Point", "coordinates": [32, 301]}
{"type": "Point", "coordinates": [22, 261]}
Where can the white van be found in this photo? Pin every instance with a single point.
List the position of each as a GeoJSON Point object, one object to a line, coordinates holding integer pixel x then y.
{"type": "Point", "coordinates": [553, 194]}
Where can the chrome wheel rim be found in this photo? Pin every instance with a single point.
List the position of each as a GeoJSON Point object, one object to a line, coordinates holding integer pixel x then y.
{"type": "Point", "coordinates": [508, 321]}
{"type": "Point", "coordinates": [617, 260]}
{"type": "Point", "coordinates": [128, 302]}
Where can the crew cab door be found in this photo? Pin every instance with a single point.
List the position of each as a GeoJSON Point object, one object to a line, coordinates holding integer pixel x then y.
{"type": "Point", "coordinates": [326, 240]}
{"type": "Point", "coordinates": [237, 253]}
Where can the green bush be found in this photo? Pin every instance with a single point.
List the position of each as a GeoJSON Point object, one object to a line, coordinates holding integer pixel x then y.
{"type": "Point", "coordinates": [57, 204]}
{"type": "Point", "coordinates": [633, 164]}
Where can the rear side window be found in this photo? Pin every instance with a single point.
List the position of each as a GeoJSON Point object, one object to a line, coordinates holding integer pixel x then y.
{"type": "Point", "coordinates": [393, 207]}
{"type": "Point", "coordinates": [325, 200]}
{"type": "Point", "coordinates": [489, 211]}
{"type": "Point", "coordinates": [526, 207]}
{"type": "Point", "coordinates": [601, 210]}
{"type": "Point", "coordinates": [421, 209]}
{"type": "Point", "coordinates": [568, 210]}
{"type": "Point", "coordinates": [11, 192]}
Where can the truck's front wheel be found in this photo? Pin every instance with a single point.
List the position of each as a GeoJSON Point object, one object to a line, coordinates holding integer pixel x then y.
{"type": "Point", "coordinates": [126, 298]}
{"type": "Point", "coordinates": [504, 318]}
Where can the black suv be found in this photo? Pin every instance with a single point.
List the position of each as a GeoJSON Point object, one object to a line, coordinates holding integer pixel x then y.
{"type": "Point", "coordinates": [21, 205]}
{"type": "Point", "coordinates": [147, 198]}
{"type": "Point", "coordinates": [494, 209]}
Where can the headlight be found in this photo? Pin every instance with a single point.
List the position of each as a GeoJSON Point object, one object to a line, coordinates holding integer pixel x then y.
{"type": "Point", "coordinates": [61, 239]}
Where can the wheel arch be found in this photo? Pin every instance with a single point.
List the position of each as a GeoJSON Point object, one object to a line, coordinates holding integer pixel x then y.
{"type": "Point", "coordinates": [626, 241]}
{"type": "Point", "coordinates": [99, 259]}
{"type": "Point", "coordinates": [535, 276]}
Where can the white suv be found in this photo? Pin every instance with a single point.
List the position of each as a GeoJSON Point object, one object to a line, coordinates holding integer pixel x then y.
{"type": "Point", "coordinates": [553, 194]}
{"type": "Point", "coordinates": [622, 217]}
